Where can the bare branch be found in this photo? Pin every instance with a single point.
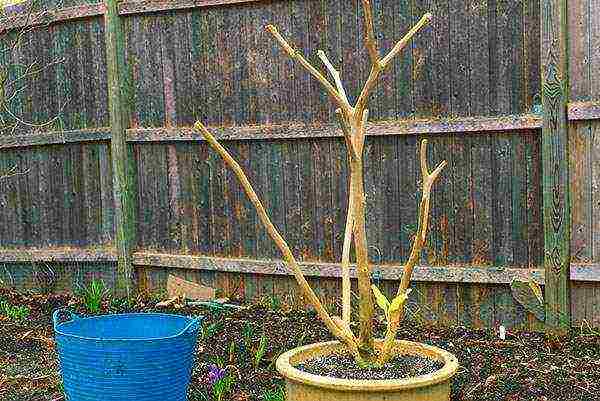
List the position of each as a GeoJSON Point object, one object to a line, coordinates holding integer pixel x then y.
{"type": "Point", "coordinates": [347, 134]}
{"type": "Point", "coordinates": [404, 41]}
{"type": "Point", "coordinates": [370, 41]}
{"type": "Point", "coordinates": [377, 68]}
{"type": "Point", "coordinates": [362, 131]}
{"type": "Point", "coordinates": [289, 258]}
{"type": "Point", "coordinates": [418, 242]}
{"type": "Point", "coordinates": [335, 74]}
{"type": "Point", "coordinates": [296, 55]}
{"type": "Point", "coordinates": [346, 284]}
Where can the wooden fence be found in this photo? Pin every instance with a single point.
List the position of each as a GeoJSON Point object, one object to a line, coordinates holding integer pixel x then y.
{"type": "Point", "coordinates": [494, 85]}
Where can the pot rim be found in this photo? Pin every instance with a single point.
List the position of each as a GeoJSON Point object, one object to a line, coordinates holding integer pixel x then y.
{"type": "Point", "coordinates": [289, 372]}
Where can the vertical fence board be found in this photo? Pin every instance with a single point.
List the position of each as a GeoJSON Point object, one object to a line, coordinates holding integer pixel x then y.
{"type": "Point", "coordinates": [594, 21]}
{"type": "Point", "coordinates": [595, 193]}
{"type": "Point", "coordinates": [123, 180]}
{"type": "Point", "coordinates": [555, 163]}
{"type": "Point", "coordinates": [481, 199]}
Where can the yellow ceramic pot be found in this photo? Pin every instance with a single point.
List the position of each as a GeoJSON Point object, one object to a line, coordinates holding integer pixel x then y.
{"type": "Point", "coordinates": [302, 386]}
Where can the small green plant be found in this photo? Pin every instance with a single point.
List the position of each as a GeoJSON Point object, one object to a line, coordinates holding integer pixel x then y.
{"type": "Point", "coordinates": [217, 361]}
{"type": "Point", "coordinates": [260, 352]}
{"type": "Point", "coordinates": [220, 381]}
{"type": "Point", "coordinates": [13, 312]}
{"type": "Point", "coordinates": [248, 333]}
{"type": "Point", "coordinates": [274, 395]}
{"type": "Point", "coordinates": [209, 330]}
{"type": "Point", "coordinates": [93, 295]}
{"type": "Point", "coordinates": [301, 339]}
{"type": "Point", "coordinates": [223, 387]}
{"type": "Point", "coordinates": [232, 349]}
{"type": "Point", "coordinates": [274, 302]}
{"type": "Point", "coordinates": [60, 387]}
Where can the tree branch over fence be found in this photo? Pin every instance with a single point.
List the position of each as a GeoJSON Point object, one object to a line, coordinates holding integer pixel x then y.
{"type": "Point", "coordinates": [16, 75]}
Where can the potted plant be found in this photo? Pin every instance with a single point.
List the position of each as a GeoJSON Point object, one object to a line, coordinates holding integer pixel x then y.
{"type": "Point", "coordinates": [357, 367]}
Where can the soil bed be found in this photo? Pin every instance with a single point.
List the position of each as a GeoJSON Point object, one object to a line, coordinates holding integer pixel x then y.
{"type": "Point", "coordinates": [524, 367]}
{"type": "Point", "coordinates": [343, 366]}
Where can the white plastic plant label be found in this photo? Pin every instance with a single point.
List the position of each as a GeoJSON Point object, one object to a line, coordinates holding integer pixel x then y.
{"type": "Point", "coordinates": [502, 332]}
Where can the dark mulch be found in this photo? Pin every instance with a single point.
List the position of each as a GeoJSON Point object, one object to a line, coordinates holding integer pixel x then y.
{"type": "Point", "coordinates": [343, 366]}
{"type": "Point", "coordinates": [525, 366]}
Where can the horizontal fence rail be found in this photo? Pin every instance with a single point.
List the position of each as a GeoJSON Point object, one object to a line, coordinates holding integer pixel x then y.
{"type": "Point", "coordinates": [450, 274]}
{"type": "Point", "coordinates": [579, 111]}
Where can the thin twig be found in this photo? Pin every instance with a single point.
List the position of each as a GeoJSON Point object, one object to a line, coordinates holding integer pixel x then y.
{"type": "Point", "coordinates": [370, 42]}
{"type": "Point", "coordinates": [335, 74]}
{"type": "Point", "coordinates": [401, 44]}
{"type": "Point", "coordinates": [296, 55]}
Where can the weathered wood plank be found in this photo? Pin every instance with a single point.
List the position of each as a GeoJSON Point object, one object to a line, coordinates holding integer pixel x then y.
{"type": "Point", "coordinates": [460, 57]}
{"type": "Point", "coordinates": [384, 14]}
{"type": "Point", "coordinates": [482, 274]}
{"type": "Point", "coordinates": [152, 6]}
{"type": "Point", "coordinates": [461, 200]}
{"type": "Point", "coordinates": [450, 274]}
{"type": "Point", "coordinates": [390, 188]}
{"type": "Point", "coordinates": [106, 195]}
{"type": "Point", "coordinates": [555, 160]}
{"type": "Point", "coordinates": [520, 232]}
{"type": "Point", "coordinates": [409, 197]}
{"type": "Point", "coordinates": [481, 157]}
{"type": "Point", "coordinates": [594, 20]}
{"type": "Point", "coordinates": [531, 49]}
{"type": "Point", "coordinates": [51, 16]}
{"type": "Point", "coordinates": [534, 201]}
{"type": "Point", "coordinates": [479, 53]}
{"type": "Point", "coordinates": [595, 190]}
{"type": "Point", "coordinates": [581, 177]}
{"type": "Point", "coordinates": [472, 126]}
{"type": "Point", "coordinates": [469, 126]}
{"type": "Point", "coordinates": [404, 85]}
{"type": "Point", "coordinates": [122, 174]}
{"type": "Point", "coordinates": [324, 209]}
{"type": "Point", "coordinates": [422, 69]}
{"type": "Point", "coordinates": [579, 50]}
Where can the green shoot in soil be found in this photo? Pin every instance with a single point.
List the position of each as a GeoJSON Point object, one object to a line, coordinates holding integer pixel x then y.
{"type": "Point", "coordinates": [210, 330]}
{"type": "Point", "coordinates": [261, 350]}
{"type": "Point", "coordinates": [274, 395]}
{"type": "Point", "coordinates": [93, 295]}
{"type": "Point", "coordinates": [13, 312]}
{"type": "Point", "coordinates": [222, 387]}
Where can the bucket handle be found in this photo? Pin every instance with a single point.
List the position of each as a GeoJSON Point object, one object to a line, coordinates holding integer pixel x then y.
{"type": "Point", "coordinates": [191, 327]}
{"type": "Point", "coordinates": [55, 315]}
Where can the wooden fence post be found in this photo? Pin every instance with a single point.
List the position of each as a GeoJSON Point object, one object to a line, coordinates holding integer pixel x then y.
{"type": "Point", "coordinates": [123, 181]}
{"type": "Point", "coordinates": [555, 164]}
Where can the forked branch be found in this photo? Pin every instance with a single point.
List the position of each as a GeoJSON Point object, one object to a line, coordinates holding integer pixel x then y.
{"type": "Point", "coordinates": [417, 247]}
{"type": "Point", "coordinates": [377, 68]}
{"type": "Point", "coordinates": [296, 55]}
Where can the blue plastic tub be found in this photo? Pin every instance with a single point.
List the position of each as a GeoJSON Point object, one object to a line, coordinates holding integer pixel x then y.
{"type": "Point", "coordinates": [127, 357]}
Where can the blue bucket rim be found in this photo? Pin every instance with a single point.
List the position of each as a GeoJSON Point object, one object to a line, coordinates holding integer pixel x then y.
{"type": "Point", "coordinates": [191, 328]}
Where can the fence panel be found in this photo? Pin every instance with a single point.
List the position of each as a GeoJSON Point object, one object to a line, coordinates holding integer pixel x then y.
{"type": "Point", "coordinates": [471, 82]}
